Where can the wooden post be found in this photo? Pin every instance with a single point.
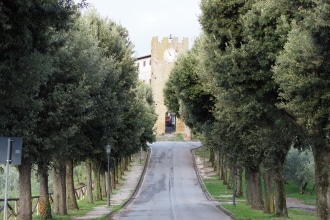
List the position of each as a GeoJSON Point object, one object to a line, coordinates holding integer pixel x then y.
{"type": "Point", "coordinates": [16, 209]}
{"type": "Point", "coordinates": [38, 206]}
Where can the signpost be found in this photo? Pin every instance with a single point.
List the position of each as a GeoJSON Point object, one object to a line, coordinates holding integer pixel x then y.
{"type": "Point", "coordinates": [10, 153]}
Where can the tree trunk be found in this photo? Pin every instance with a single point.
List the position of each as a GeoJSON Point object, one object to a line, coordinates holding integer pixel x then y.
{"type": "Point", "coordinates": [103, 183]}
{"type": "Point", "coordinates": [89, 183]}
{"type": "Point", "coordinates": [44, 204]}
{"type": "Point", "coordinates": [25, 189]}
{"type": "Point", "coordinates": [231, 178]}
{"type": "Point", "coordinates": [239, 181]}
{"type": "Point", "coordinates": [225, 169]}
{"type": "Point", "coordinates": [128, 163]}
{"type": "Point", "coordinates": [113, 175]}
{"type": "Point", "coordinates": [221, 167]}
{"type": "Point", "coordinates": [117, 170]}
{"type": "Point", "coordinates": [122, 167]}
{"type": "Point", "coordinates": [217, 162]}
{"type": "Point", "coordinates": [212, 157]}
{"type": "Point", "coordinates": [71, 193]}
{"type": "Point", "coordinates": [280, 196]}
{"type": "Point", "coordinates": [108, 183]}
{"type": "Point", "coordinates": [253, 189]}
{"type": "Point", "coordinates": [268, 195]}
{"type": "Point", "coordinates": [322, 173]}
{"type": "Point", "coordinates": [60, 207]}
{"type": "Point", "coordinates": [97, 187]}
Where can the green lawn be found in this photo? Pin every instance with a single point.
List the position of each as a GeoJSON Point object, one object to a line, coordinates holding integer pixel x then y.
{"type": "Point", "coordinates": [84, 207]}
{"type": "Point", "coordinates": [293, 192]}
{"type": "Point", "coordinates": [241, 211]}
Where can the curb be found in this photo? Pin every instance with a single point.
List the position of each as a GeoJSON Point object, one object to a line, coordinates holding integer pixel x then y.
{"type": "Point", "coordinates": [201, 183]}
{"type": "Point", "coordinates": [137, 188]}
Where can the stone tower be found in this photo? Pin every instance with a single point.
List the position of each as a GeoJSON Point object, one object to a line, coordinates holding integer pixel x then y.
{"type": "Point", "coordinates": [163, 56]}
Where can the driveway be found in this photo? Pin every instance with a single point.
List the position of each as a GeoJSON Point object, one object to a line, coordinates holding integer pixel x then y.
{"type": "Point", "coordinates": [170, 189]}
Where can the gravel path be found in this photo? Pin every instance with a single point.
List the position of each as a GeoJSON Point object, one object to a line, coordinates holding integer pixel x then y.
{"type": "Point", "coordinates": [296, 203]}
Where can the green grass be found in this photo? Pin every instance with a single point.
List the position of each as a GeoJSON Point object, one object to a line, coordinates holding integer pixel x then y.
{"type": "Point", "coordinates": [292, 191]}
{"type": "Point", "coordinates": [84, 207]}
{"type": "Point", "coordinates": [170, 137]}
{"type": "Point", "coordinates": [241, 211]}
{"type": "Point", "coordinates": [202, 152]}
{"type": "Point", "coordinates": [301, 214]}
{"type": "Point", "coordinates": [217, 189]}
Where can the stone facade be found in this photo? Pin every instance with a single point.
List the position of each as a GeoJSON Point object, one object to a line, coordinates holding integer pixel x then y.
{"type": "Point", "coordinates": [144, 66]}
{"type": "Point", "coordinates": [154, 70]}
{"type": "Point", "coordinates": [163, 56]}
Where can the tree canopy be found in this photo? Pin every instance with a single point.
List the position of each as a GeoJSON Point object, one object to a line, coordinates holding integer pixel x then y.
{"type": "Point", "coordinates": [69, 86]}
{"type": "Point", "coordinates": [264, 63]}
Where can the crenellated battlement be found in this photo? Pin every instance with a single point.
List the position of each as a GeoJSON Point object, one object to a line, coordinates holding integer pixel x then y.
{"type": "Point", "coordinates": [171, 40]}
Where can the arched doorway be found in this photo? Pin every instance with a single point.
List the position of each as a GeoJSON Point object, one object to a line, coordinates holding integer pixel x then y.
{"type": "Point", "coordinates": [170, 123]}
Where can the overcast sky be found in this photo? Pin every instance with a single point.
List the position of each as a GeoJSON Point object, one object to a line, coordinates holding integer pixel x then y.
{"type": "Point", "coordinates": [145, 19]}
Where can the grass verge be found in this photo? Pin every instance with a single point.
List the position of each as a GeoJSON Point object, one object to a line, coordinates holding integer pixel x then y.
{"type": "Point", "coordinates": [170, 137]}
{"type": "Point", "coordinates": [84, 207]}
{"type": "Point", "coordinates": [241, 211]}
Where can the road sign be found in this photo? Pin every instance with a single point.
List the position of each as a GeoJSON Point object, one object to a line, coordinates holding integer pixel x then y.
{"type": "Point", "coordinates": [10, 153]}
{"type": "Point", "coordinates": [15, 156]}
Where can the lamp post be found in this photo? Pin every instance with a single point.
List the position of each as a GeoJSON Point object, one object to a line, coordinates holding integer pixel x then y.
{"type": "Point", "coordinates": [108, 150]}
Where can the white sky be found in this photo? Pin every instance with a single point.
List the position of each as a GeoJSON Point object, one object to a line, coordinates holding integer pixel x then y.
{"type": "Point", "coordinates": [145, 19]}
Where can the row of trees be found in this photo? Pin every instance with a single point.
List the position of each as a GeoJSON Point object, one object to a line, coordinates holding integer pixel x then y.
{"type": "Point", "coordinates": [69, 87]}
{"type": "Point", "coordinates": [255, 83]}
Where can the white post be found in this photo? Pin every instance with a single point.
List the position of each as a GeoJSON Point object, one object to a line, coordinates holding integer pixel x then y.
{"type": "Point", "coordinates": [16, 209]}
{"type": "Point", "coordinates": [8, 161]}
{"type": "Point", "coordinates": [108, 182]}
{"type": "Point", "coordinates": [108, 151]}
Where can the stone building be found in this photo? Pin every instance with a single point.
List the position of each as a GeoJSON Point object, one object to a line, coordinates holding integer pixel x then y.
{"type": "Point", "coordinates": [160, 63]}
{"type": "Point", "coordinates": [144, 66]}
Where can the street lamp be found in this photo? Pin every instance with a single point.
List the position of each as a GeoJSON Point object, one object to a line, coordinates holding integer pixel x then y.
{"type": "Point", "coordinates": [108, 150]}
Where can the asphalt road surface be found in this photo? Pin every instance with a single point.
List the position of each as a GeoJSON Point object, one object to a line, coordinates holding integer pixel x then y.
{"type": "Point", "coordinates": [170, 189]}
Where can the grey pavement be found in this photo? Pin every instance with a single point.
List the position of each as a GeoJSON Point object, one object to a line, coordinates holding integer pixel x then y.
{"type": "Point", "coordinates": [170, 189]}
{"type": "Point", "coordinates": [131, 179]}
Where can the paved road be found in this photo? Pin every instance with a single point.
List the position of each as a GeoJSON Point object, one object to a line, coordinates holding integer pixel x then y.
{"type": "Point", "coordinates": [170, 189]}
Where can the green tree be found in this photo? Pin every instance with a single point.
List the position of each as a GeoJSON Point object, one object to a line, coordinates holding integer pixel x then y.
{"type": "Point", "coordinates": [299, 168]}
{"type": "Point", "coordinates": [67, 105]}
{"type": "Point", "coordinates": [148, 116]}
{"type": "Point", "coordinates": [265, 27]}
{"type": "Point", "coordinates": [25, 63]}
{"type": "Point", "coordinates": [115, 99]}
{"type": "Point", "coordinates": [235, 109]}
{"type": "Point", "coordinates": [241, 44]}
{"type": "Point", "coordinates": [184, 92]}
{"type": "Point", "coordinates": [302, 74]}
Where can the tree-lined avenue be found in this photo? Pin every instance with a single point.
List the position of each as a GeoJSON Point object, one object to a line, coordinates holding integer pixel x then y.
{"type": "Point", "coordinates": [170, 189]}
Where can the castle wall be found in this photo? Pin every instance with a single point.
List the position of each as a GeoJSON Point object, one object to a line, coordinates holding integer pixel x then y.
{"type": "Point", "coordinates": [160, 71]}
